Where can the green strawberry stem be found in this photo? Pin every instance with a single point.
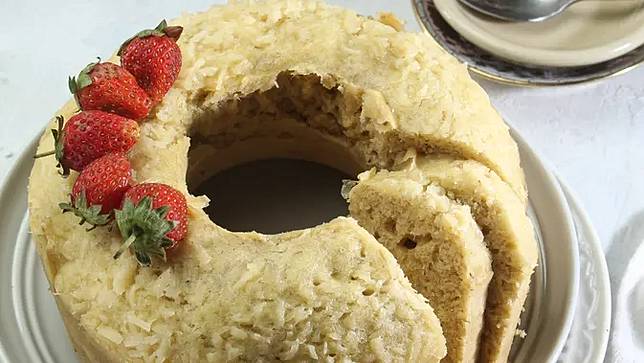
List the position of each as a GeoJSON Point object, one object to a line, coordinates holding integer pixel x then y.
{"type": "Point", "coordinates": [124, 246]}
{"type": "Point", "coordinates": [42, 155]}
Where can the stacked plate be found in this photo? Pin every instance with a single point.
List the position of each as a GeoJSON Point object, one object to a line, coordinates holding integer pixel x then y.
{"type": "Point", "coordinates": [588, 41]}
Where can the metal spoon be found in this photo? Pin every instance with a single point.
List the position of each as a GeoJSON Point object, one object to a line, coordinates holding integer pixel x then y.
{"type": "Point", "coordinates": [520, 10]}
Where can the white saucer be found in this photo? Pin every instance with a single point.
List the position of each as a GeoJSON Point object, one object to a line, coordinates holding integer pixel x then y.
{"type": "Point", "coordinates": [559, 302]}
{"type": "Point", "coordinates": [589, 32]}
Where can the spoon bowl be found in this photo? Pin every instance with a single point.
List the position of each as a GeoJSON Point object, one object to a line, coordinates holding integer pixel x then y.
{"type": "Point", "coordinates": [519, 10]}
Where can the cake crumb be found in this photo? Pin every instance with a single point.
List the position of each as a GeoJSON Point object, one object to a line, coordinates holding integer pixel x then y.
{"type": "Point", "coordinates": [390, 19]}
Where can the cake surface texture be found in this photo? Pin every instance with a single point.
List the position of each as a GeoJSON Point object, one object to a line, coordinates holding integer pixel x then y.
{"type": "Point", "coordinates": [302, 79]}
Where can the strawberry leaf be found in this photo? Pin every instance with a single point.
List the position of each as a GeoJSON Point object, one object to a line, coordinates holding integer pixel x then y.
{"type": "Point", "coordinates": [162, 25]}
{"type": "Point", "coordinates": [82, 80]}
{"type": "Point", "coordinates": [144, 230]}
{"type": "Point", "coordinates": [59, 147]}
{"type": "Point", "coordinates": [160, 30]}
{"type": "Point", "coordinates": [90, 214]}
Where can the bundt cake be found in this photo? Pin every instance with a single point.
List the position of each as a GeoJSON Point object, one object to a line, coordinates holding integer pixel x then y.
{"type": "Point", "coordinates": [442, 203]}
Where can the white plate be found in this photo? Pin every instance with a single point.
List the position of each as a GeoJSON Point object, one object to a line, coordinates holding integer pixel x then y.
{"type": "Point", "coordinates": [586, 33]}
{"type": "Point", "coordinates": [32, 331]}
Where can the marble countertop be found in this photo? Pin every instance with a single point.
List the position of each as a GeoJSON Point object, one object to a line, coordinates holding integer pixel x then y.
{"type": "Point", "coordinates": [592, 135]}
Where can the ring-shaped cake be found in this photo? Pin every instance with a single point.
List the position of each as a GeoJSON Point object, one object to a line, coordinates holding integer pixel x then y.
{"type": "Point", "coordinates": [439, 208]}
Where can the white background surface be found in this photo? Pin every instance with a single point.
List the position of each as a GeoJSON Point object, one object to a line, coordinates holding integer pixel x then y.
{"type": "Point", "coordinates": [592, 135]}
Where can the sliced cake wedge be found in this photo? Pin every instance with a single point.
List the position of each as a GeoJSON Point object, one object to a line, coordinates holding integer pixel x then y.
{"type": "Point", "coordinates": [438, 245]}
{"type": "Point", "coordinates": [509, 235]}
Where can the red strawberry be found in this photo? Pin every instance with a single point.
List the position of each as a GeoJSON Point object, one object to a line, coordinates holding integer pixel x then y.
{"type": "Point", "coordinates": [154, 58]}
{"type": "Point", "coordinates": [152, 220]}
{"type": "Point", "coordinates": [88, 135]}
{"type": "Point", "coordinates": [108, 87]}
{"type": "Point", "coordinates": [99, 189]}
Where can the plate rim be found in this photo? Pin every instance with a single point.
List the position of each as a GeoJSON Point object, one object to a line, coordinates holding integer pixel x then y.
{"type": "Point", "coordinates": [599, 261]}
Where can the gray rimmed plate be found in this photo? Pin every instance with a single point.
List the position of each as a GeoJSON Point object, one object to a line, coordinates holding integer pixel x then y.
{"type": "Point", "coordinates": [32, 330]}
{"type": "Point", "coordinates": [485, 64]}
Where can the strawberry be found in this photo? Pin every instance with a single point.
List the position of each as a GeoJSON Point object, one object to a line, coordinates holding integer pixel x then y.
{"type": "Point", "coordinates": [99, 189]}
{"type": "Point", "coordinates": [153, 219]}
{"type": "Point", "coordinates": [110, 88]}
{"type": "Point", "coordinates": [88, 135]}
{"type": "Point", "coordinates": [154, 58]}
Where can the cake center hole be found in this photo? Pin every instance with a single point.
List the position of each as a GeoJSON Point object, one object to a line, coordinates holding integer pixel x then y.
{"type": "Point", "coordinates": [274, 195]}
